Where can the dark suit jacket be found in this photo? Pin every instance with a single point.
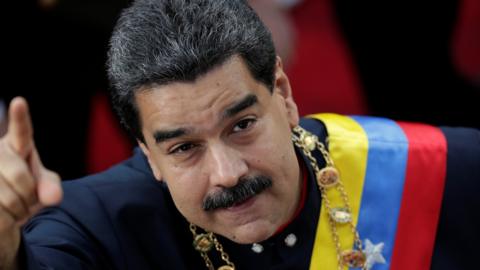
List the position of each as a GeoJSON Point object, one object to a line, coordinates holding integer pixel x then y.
{"type": "Point", "coordinates": [124, 219]}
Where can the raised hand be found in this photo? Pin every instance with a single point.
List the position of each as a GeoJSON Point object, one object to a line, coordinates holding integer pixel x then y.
{"type": "Point", "coordinates": [26, 186]}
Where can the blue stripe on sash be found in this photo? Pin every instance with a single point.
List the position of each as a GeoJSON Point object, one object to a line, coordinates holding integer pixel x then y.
{"type": "Point", "coordinates": [384, 179]}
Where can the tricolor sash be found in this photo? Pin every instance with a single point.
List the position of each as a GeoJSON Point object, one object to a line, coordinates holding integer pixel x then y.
{"type": "Point", "coordinates": [394, 176]}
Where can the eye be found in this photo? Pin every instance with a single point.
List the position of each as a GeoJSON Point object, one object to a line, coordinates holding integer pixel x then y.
{"type": "Point", "coordinates": [182, 148]}
{"type": "Point", "coordinates": [244, 124]}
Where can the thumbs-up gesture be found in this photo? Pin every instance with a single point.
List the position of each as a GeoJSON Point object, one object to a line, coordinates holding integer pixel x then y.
{"type": "Point", "coordinates": [26, 186]}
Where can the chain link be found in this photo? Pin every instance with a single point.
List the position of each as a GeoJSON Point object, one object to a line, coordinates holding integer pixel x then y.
{"type": "Point", "coordinates": [224, 255]}
{"type": "Point", "coordinates": [218, 247]}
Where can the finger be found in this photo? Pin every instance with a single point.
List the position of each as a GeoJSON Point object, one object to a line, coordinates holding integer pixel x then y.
{"type": "Point", "coordinates": [20, 131]}
{"type": "Point", "coordinates": [6, 220]}
{"type": "Point", "coordinates": [11, 202]}
{"type": "Point", "coordinates": [17, 174]}
{"type": "Point", "coordinates": [32, 211]}
{"type": "Point", "coordinates": [49, 189]}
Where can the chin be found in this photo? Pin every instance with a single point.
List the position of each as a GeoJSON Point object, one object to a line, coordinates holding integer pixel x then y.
{"type": "Point", "coordinates": [250, 233]}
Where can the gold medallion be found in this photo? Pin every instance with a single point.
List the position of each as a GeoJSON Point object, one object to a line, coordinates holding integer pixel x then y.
{"type": "Point", "coordinates": [203, 242]}
{"type": "Point", "coordinates": [327, 177]}
{"type": "Point", "coordinates": [226, 267]}
{"type": "Point", "coordinates": [341, 215]}
{"type": "Point", "coordinates": [353, 258]}
{"type": "Point", "coordinates": [309, 140]}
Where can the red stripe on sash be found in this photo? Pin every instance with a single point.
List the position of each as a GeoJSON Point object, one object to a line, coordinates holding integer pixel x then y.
{"type": "Point", "coordinates": [422, 197]}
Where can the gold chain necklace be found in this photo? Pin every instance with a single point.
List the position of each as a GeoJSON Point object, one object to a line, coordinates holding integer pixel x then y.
{"type": "Point", "coordinates": [328, 180]}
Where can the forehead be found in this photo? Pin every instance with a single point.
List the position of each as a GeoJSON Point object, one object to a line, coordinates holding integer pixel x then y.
{"type": "Point", "coordinates": [179, 103]}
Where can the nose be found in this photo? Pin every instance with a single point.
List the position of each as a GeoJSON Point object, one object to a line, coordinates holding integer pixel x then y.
{"type": "Point", "coordinates": [227, 166]}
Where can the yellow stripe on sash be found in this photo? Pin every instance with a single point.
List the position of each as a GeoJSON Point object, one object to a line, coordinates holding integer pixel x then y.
{"type": "Point", "coordinates": [348, 147]}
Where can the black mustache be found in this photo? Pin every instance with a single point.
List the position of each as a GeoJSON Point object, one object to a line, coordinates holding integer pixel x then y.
{"type": "Point", "coordinates": [247, 187]}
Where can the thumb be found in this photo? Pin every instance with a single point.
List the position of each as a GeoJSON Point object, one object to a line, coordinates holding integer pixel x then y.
{"type": "Point", "coordinates": [49, 190]}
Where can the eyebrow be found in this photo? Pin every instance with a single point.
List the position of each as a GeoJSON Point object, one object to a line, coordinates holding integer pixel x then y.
{"type": "Point", "coordinates": [243, 104]}
{"type": "Point", "coordinates": [164, 135]}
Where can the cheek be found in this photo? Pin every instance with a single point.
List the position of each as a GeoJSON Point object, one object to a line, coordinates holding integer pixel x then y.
{"type": "Point", "coordinates": [277, 136]}
{"type": "Point", "coordinates": [278, 149]}
{"type": "Point", "coordinates": [271, 150]}
{"type": "Point", "coordinates": [187, 190]}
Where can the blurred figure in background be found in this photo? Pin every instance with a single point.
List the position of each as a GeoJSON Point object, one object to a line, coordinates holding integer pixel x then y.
{"type": "Point", "coordinates": [317, 60]}
{"type": "Point", "coordinates": [417, 60]}
{"type": "Point", "coordinates": [400, 60]}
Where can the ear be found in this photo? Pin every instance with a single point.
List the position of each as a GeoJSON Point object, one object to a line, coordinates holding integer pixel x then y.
{"type": "Point", "coordinates": [155, 170]}
{"type": "Point", "coordinates": [282, 87]}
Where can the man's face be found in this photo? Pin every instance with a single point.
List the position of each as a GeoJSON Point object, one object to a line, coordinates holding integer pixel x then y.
{"type": "Point", "coordinates": [226, 140]}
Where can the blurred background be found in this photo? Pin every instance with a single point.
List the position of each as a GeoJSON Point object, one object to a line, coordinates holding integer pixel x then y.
{"type": "Point", "coordinates": [407, 60]}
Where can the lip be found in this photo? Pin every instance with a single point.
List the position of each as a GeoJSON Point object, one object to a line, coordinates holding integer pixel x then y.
{"type": "Point", "coordinates": [241, 206]}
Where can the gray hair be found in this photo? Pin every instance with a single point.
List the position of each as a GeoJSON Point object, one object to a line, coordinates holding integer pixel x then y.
{"type": "Point", "coordinates": [156, 42]}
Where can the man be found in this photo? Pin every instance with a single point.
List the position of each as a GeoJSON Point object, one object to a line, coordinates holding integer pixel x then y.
{"type": "Point", "coordinates": [224, 165]}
